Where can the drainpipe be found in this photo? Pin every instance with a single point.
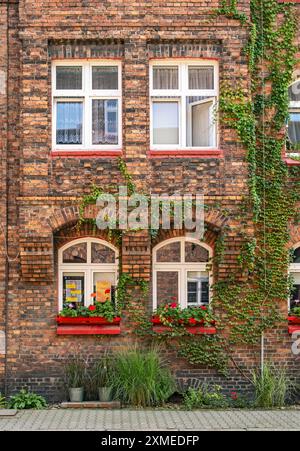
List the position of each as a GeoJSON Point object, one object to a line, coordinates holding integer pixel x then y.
{"type": "Point", "coordinates": [262, 354]}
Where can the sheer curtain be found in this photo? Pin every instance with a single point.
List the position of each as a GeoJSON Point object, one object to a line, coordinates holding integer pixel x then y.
{"type": "Point", "coordinates": [294, 128]}
{"type": "Point", "coordinates": [201, 77]}
{"type": "Point", "coordinates": [68, 77]}
{"type": "Point", "coordinates": [105, 77]}
{"type": "Point", "coordinates": [69, 123]}
{"type": "Point", "coordinates": [105, 122]}
{"type": "Point", "coordinates": [165, 78]}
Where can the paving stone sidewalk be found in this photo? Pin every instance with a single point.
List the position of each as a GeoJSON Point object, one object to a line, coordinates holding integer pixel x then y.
{"type": "Point", "coordinates": [146, 420]}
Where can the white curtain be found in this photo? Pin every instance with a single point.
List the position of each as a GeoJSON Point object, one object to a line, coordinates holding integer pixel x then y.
{"type": "Point", "coordinates": [165, 123]}
{"type": "Point", "coordinates": [294, 128]}
{"type": "Point", "coordinates": [201, 77]}
{"type": "Point", "coordinates": [165, 78]}
{"type": "Point", "coordinates": [69, 123]}
{"type": "Point", "coordinates": [105, 122]}
{"type": "Point", "coordinates": [105, 77]}
{"type": "Point", "coordinates": [68, 77]}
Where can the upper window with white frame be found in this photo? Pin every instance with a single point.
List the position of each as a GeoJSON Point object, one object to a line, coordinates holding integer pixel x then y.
{"type": "Point", "coordinates": [183, 104]}
{"type": "Point", "coordinates": [87, 103]}
{"type": "Point", "coordinates": [294, 117]}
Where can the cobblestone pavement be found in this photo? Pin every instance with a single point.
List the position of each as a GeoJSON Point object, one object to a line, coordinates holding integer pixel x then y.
{"type": "Point", "coordinates": [143, 420]}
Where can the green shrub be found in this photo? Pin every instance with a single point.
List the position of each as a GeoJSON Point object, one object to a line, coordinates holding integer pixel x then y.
{"type": "Point", "coordinates": [205, 397]}
{"type": "Point", "coordinates": [3, 402]}
{"type": "Point", "coordinates": [272, 387]}
{"type": "Point", "coordinates": [139, 378]}
{"type": "Point", "coordinates": [27, 400]}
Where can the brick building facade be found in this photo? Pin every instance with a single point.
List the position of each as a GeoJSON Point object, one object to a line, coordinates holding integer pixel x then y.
{"type": "Point", "coordinates": [41, 184]}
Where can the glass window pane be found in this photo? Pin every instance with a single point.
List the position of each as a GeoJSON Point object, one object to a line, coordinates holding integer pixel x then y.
{"type": "Point", "coordinates": [165, 78]}
{"type": "Point", "coordinates": [200, 127]}
{"type": "Point", "coordinates": [197, 288]}
{"type": "Point", "coordinates": [296, 255]}
{"type": "Point", "coordinates": [165, 123]}
{"type": "Point", "coordinates": [69, 123]}
{"type": "Point", "coordinates": [294, 128]}
{"type": "Point", "coordinates": [105, 122]}
{"type": "Point", "coordinates": [169, 253]}
{"type": "Point", "coordinates": [167, 287]}
{"type": "Point", "coordinates": [105, 77]}
{"type": "Point", "coordinates": [68, 77]}
{"type": "Point", "coordinates": [73, 289]}
{"type": "Point", "coordinates": [294, 92]}
{"type": "Point", "coordinates": [201, 77]}
{"type": "Point", "coordinates": [75, 254]}
{"type": "Point", "coordinates": [104, 286]}
{"type": "Point", "coordinates": [194, 253]}
{"type": "Point", "coordinates": [102, 254]}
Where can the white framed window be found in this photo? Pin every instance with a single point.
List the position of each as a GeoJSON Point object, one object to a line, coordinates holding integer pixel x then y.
{"type": "Point", "coordinates": [293, 127]}
{"type": "Point", "coordinates": [181, 273]}
{"type": "Point", "coordinates": [294, 271]}
{"type": "Point", "coordinates": [183, 104]}
{"type": "Point", "coordinates": [87, 105]}
{"type": "Point", "coordinates": [87, 268]}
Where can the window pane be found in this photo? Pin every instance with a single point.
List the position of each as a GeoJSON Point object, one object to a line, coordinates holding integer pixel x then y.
{"type": "Point", "coordinates": [197, 288]}
{"type": "Point", "coordinates": [294, 128]}
{"type": "Point", "coordinates": [68, 77]}
{"type": "Point", "coordinates": [169, 253]}
{"type": "Point", "coordinates": [105, 122]}
{"type": "Point", "coordinates": [200, 127]}
{"type": "Point", "coordinates": [102, 254]}
{"type": "Point", "coordinates": [104, 286]}
{"type": "Point", "coordinates": [165, 78]}
{"type": "Point", "coordinates": [296, 255]}
{"type": "Point", "coordinates": [201, 77]}
{"type": "Point", "coordinates": [165, 123]}
{"type": "Point", "coordinates": [69, 123]}
{"type": "Point", "coordinates": [294, 92]}
{"type": "Point", "coordinates": [167, 287]}
{"type": "Point", "coordinates": [75, 254]}
{"type": "Point", "coordinates": [105, 77]}
{"type": "Point", "coordinates": [195, 253]}
{"type": "Point", "coordinates": [73, 289]}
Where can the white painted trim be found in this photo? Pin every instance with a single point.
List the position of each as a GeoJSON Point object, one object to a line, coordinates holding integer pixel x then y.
{"type": "Point", "coordinates": [182, 93]}
{"type": "Point", "coordinates": [181, 268]}
{"type": "Point", "coordinates": [86, 95]}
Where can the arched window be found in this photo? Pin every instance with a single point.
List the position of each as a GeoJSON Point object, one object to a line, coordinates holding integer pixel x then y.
{"type": "Point", "coordinates": [180, 272]}
{"type": "Point", "coordinates": [295, 274]}
{"type": "Point", "coordinates": [87, 272]}
{"type": "Point", "coordinates": [294, 116]}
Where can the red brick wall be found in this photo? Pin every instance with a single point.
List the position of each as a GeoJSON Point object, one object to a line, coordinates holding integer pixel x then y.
{"type": "Point", "coordinates": [44, 189]}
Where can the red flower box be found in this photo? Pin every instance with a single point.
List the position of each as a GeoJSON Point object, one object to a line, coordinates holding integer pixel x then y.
{"type": "Point", "coordinates": [87, 320]}
{"type": "Point", "coordinates": [294, 319]}
{"type": "Point", "coordinates": [195, 330]}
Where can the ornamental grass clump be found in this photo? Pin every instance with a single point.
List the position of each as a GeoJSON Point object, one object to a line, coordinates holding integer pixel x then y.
{"type": "Point", "coordinates": [272, 387]}
{"type": "Point", "coordinates": [139, 378]}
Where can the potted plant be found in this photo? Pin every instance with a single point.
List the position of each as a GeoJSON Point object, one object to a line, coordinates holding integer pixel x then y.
{"type": "Point", "coordinates": [102, 378]}
{"type": "Point", "coordinates": [75, 375]}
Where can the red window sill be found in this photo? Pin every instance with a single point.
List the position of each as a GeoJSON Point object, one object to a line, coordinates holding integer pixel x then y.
{"type": "Point", "coordinates": [84, 329]}
{"type": "Point", "coordinates": [291, 162]}
{"type": "Point", "coordinates": [195, 330]}
{"type": "Point", "coordinates": [86, 153]}
{"type": "Point", "coordinates": [214, 153]}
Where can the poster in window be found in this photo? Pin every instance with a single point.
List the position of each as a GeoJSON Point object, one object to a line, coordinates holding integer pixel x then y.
{"type": "Point", "coordinates": [103, 291]}
{"type": "Point", "coordinates": [73, 289]}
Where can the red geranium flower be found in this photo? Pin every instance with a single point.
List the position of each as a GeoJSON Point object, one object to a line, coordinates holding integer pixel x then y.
{"type": "Point", "coordinates": [192, 321]}
{"type": "Point", "coordinates": [234, 396]}
{"type": "Point", "coordinates": [93, 295]}
{"type": "Point", "coordinates": [173, 305]}
{"type": "Point", "coordinates": [92, 308]}
{"type": "Point", "coordinates": [107, 291]}
{"type": "Point", "coordinates": [203, 307]}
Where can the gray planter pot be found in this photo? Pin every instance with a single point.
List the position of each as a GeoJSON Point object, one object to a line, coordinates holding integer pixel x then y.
{"type": "Point", "coordinates": [76, 394]}
{"type": "Point", "coordinates": [104, 394]}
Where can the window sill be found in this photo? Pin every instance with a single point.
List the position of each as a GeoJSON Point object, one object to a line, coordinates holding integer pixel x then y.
{"type": "Point", "coordinates": [213, 153]}
{"type": "Point", "coordinates": [86, 153]}
{"type": "Point", "coordinates": [291, 161]}
{"type": "Point", "coordinates": [194, 330]}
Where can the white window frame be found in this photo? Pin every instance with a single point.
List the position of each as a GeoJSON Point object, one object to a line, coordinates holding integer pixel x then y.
{"type": "Point", "coordinates": [182, 268]}
{"type": "Point", "coordinates": [86, 95]}
{"type": "Point", "coordinates": [88, 268]}
{"type": "Point", "coordinates": [294, 107]}
{"type": "Point", "coordinates": [180, 95]}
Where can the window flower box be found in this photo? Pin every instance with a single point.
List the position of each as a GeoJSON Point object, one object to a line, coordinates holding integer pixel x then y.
{"type": "Point", "coordinates": [294, 324]}
{"type": "Point", "coordinates": [87, 320]}
{"type": "Point", "coordinates": [294, 320]}
{"type": "Point", "coordinates": [88, 326]}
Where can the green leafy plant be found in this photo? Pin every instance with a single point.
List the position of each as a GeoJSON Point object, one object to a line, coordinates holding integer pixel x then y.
{"type": "Point", "coordinates": [171, 314]}
{"type": "Point", "coordinates": [3, 402]}
{"type": "Point", "coordinates": [296, 311]}
{"type": "Point", "coordinates": [75, 372]}
{"type": "Point", "coordinates": [100, 309]}
{"type": "Point", "coordinates": [27, 400]}
{"type": "Point", "coordinates": [205, 397]}
{"type": "Point", "coordinates": [140, 379]}
{"type": "Point", "coordinates": [272, 387]}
